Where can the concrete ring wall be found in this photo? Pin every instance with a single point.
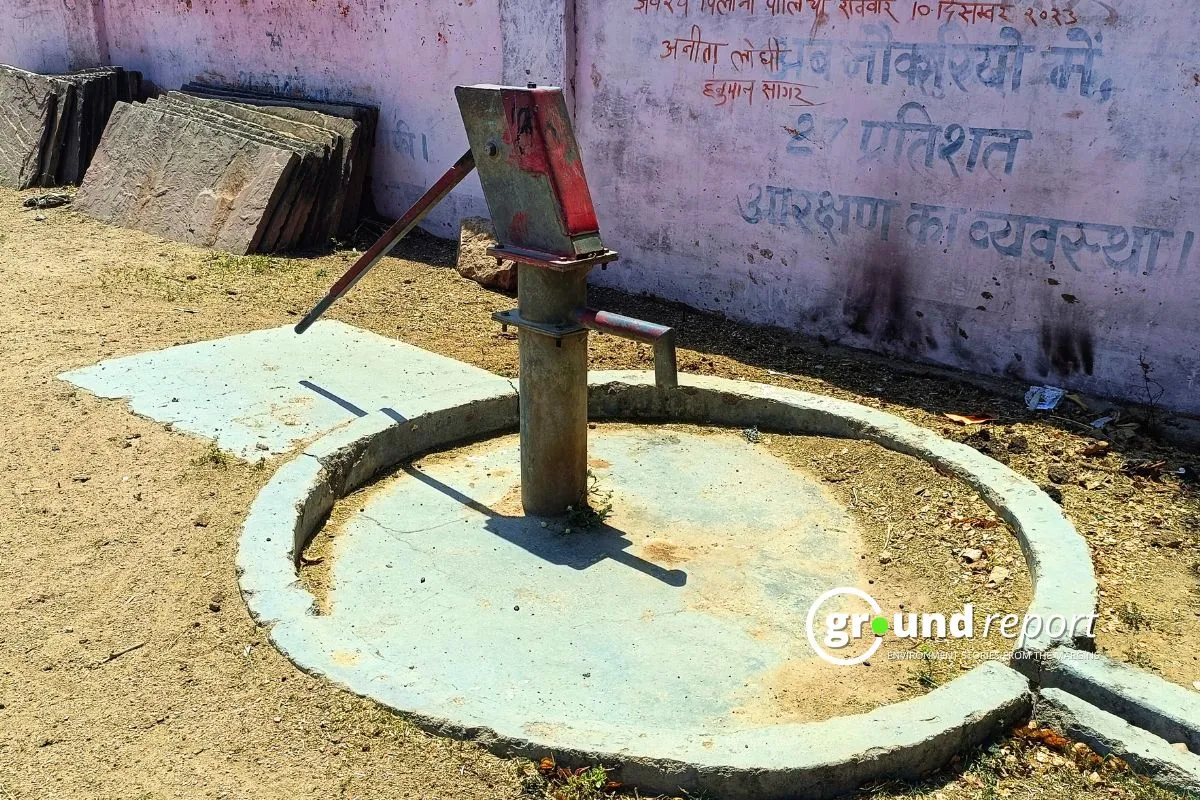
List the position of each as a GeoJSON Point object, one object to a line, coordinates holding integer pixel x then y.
{"type": "Point", "coordinates": [898, 741]}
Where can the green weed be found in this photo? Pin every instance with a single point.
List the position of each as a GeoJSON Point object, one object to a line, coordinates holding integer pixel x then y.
{"type": "Point", "coordinates": [595, 510]}
{"type": "Point", "coordinates": [212, 456]}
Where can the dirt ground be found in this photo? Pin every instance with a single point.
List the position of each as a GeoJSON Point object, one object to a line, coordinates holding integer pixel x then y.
{"type": "Point", "coordinates": [129, 667]}
{"type": "Point", "coordinates": [917, 524]}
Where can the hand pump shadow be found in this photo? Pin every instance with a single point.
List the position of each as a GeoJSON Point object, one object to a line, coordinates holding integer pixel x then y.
{"type": "Point", "coordinates": [578, 550]}
{"type": "Point", "coordinates": [346, 405]}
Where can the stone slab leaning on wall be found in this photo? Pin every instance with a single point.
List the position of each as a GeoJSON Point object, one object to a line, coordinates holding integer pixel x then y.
{"type": "Point", "coordinates": [51, 124]}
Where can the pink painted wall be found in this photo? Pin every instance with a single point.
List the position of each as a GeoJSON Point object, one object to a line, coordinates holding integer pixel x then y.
{"type": "Point", "coordinates": [402, 55]}
{"type": "Point", "coordinates": [757, 183]}
{"type": "Point", "coordinates": [52, 35]}
{"type": "Point", "coordinates": [750, 174]}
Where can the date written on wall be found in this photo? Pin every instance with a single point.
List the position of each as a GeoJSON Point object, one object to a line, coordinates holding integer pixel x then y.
{"type": "Point", "coordinates": [938, 11]}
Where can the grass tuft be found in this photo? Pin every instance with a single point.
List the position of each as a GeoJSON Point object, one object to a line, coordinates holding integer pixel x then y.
{"type": "Point", "coordinates": [213, 456]}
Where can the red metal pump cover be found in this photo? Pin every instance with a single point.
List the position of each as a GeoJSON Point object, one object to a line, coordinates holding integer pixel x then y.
{"type": "Point", "coordinates": [530, 168]}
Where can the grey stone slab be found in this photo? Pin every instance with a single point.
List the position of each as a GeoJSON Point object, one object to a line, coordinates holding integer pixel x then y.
{"type": "Point", "coordinates": [28, 108]}
{"type": "Point", "coordinates": [347, 131]}
{"type": "Point", "coordinates": [262, 119]}
{"type": "Point", "coordinates": [102, 97]}
{"type": "Point", "coordinates": [356, 157]}
{"type": "Point", "coordinates": [184, 179]}
{"type": "Point", "coordinates": [295, 204]}
{"type": "Point", "coordinates": [97, 93]}
{"type": "Point", "coordinates": [1108, 734]}
{"type": "Point", "coordinates": [306, 205]}
{"type": "Point", "coordinates": [54, 123]}
{"type": "Point", "coordinates": [233, 123]}
{"type": "Point", "coordinates": [362, 146]}
{"type": "Point", "coordinates": [56, 133]}
{"type": "Point", "coordinates": [321, 221]}
{"type": "Point", "coordinates": [76, 148]}
{"type": "Point", "coordinates": [1163, 708]}
{"type": "Point", "coordinates": [78, 151]}
{"type": "Point", "coordinates": [96, 100]}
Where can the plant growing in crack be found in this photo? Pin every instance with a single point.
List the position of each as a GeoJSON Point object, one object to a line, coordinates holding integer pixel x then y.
{"type": "Point", "coordinates": [548, 780]}
{"type": "Point", "coordinates": [595, 509]}
{"type": "Point", "coordinates": [1137, 655]}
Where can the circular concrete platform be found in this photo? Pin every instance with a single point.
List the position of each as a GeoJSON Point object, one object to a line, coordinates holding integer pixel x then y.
{"type": "Point", "coordinates": [669, 616]}
{"type": "Point", "coordinates": [594, 678]}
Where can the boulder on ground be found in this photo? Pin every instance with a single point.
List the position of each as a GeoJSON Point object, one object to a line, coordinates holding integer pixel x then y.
{"type": "Point", "coordinates": [475, 237]}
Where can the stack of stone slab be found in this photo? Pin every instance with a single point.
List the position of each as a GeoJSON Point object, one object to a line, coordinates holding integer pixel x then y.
{"type": "Point", "coordinates": [356, 123]}
{"type": "Point", "coordinates": [50, 125]}
{"type": "Point", "coordinates": [234, 170]}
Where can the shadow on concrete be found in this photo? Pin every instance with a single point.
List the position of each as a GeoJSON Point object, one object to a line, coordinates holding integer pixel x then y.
{"type": "Point", "coordinates": [357, 411]}
{"type": "Point", "coordinates": [393, 415]}
{"type": "Point", "coordinates": [328, 395]}
{"type": "Point", "coordinates": [578, 550]}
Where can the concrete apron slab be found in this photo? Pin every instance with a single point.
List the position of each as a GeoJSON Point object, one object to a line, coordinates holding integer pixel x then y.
{"type": "Point", "coordinates": [668, 617]}
{"type": "Point", "coordinates": [782, 760]}
{"type": "Point", "coordinates": [263, 393]}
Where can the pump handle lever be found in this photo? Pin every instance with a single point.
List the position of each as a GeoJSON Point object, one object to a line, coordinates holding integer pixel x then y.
{"type": "Point", "coordinates": [401, 228]}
